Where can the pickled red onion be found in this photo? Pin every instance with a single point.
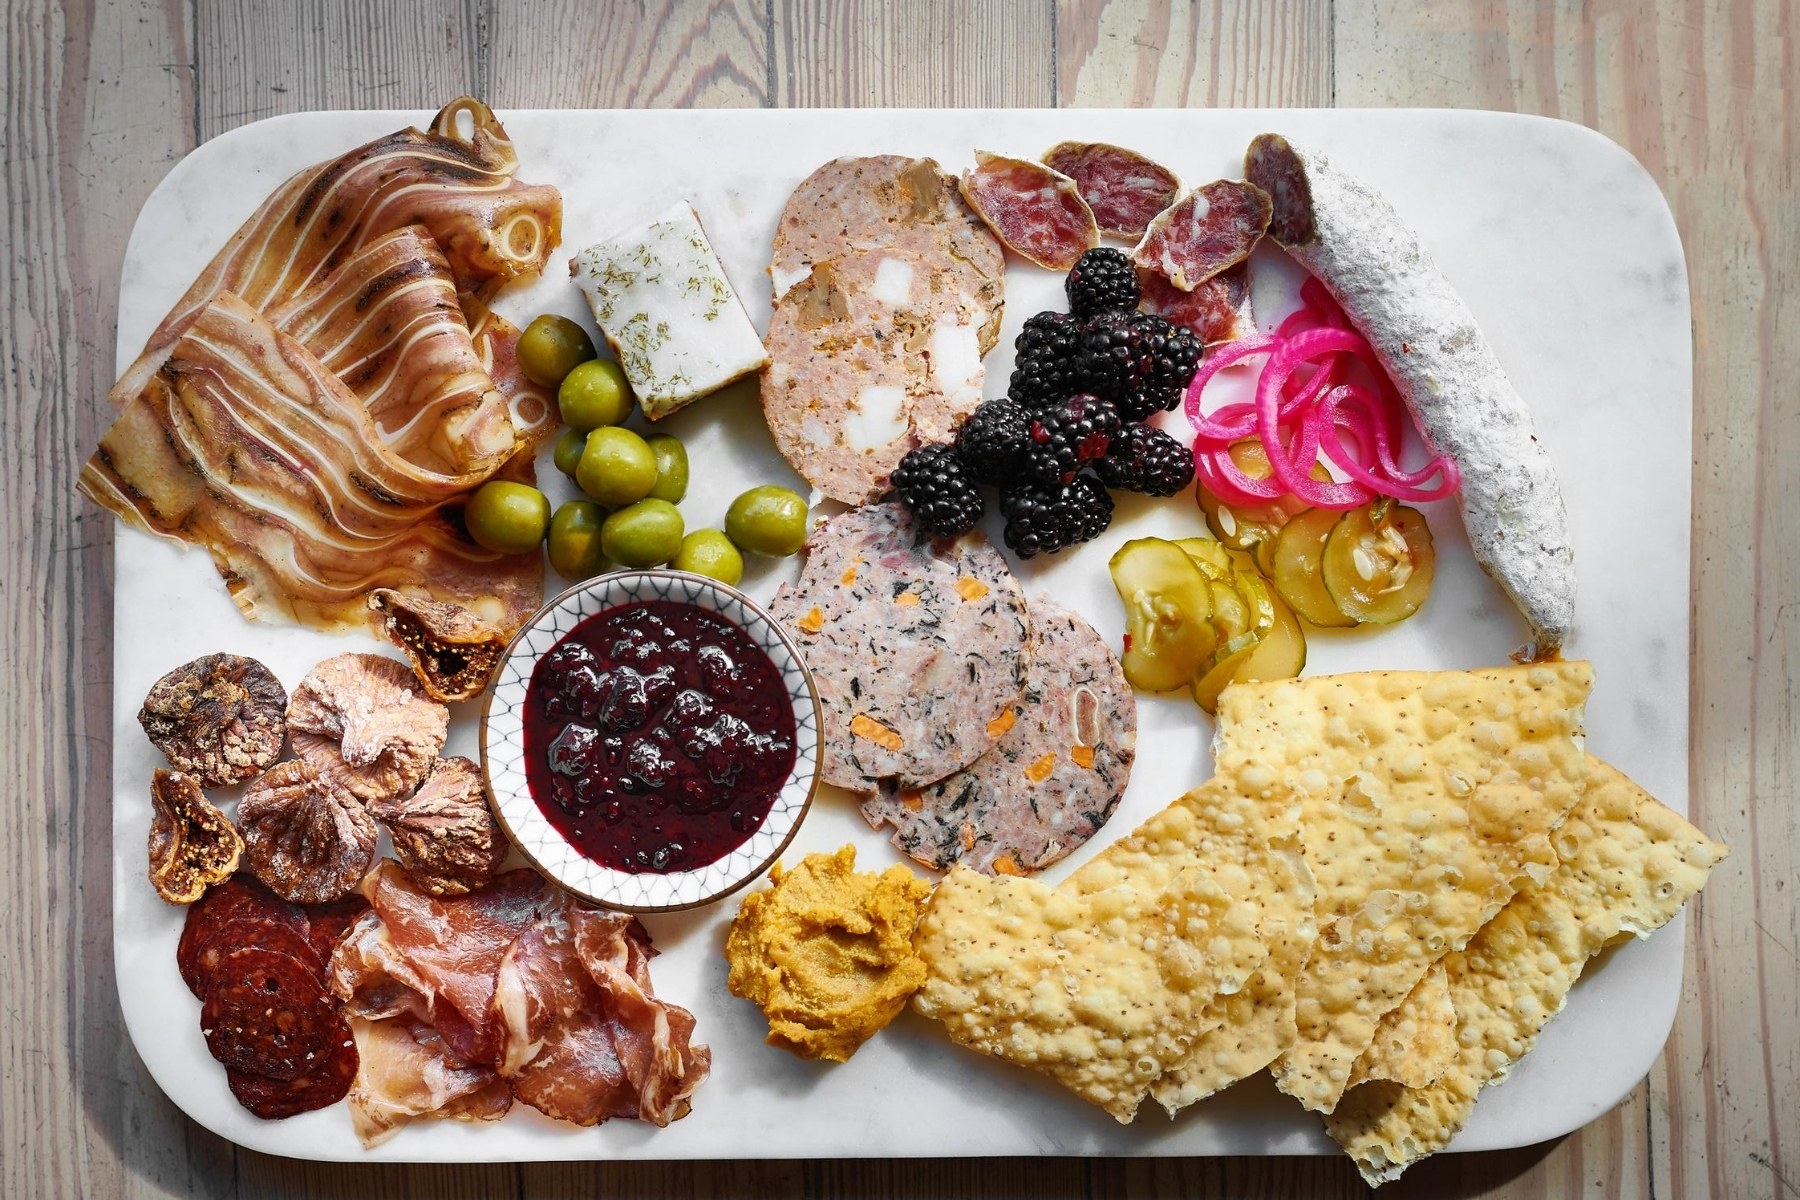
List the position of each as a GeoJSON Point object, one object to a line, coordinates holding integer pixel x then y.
{"type": "Point", "coordinates": [1304, 408]}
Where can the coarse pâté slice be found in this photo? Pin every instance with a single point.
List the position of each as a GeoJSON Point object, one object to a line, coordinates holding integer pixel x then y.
{"type": "Point", "coordinates": [1625, 865]}
{"type": "Point", "coordinates": [1097, 990]}
{"type": "Point", "coordinates": [1416, 1042]}
{"type": "Point", "coordinates": [918, 647]}
{"type": "Point", "coordinates": [1424, 797]}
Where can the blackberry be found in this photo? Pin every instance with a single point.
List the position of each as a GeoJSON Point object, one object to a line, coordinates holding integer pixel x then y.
{"type": "Point", "coordinates": [1044, 520]}
{"type": "Point", "coordinates": [1065, 438]}
{"type": "Point", "coordinates": [1102, 280]}
{"type": "Point", "coordinates": [932, 483]}
{"type": "Point", "coordinates": [1044, 369]}
{"type": "Point", "coordinates": [989, 442]}
{"type": "Point", "coordinates": [1138, 360]}
{"type": "Point", "coordinates": [1144, 459]}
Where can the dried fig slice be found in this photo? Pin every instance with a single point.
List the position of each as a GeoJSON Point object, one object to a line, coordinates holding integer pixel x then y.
{"type": "Point", "coordinates": [192, 844]}
{"type": "Point", "coordinates": [444, 833]}
{"type": "Point", "coordinates": [363, 720]}
{"type": "Point", "coordinates": [453, 652]}
{"type": "Point", "coordinates": [306, 836]}
{"type": "Point", "coordinates": [218, 718]}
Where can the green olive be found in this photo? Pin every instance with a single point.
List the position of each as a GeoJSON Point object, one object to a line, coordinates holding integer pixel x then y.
{"type": "Point", "coordinates": [767, 520]}
{"type": "Point", "coordinates": [643, 534]}
{"type": "Point", "coordinates": [575, 540]}
{"type": "Point", "coordinates": [507, 518]}
{"type": "Point", "coordinates": [568, 450]}
{"type": "Point", "coordinates": [709, 552]}
{"type": "Point", "coordinates": [551, 347]}
{"type": "Point", "coordinates": [671, 467]}
{"type": "Point", "coordinates": [617, 466]}
{"type": "Point", "coordinates": [595, 394]}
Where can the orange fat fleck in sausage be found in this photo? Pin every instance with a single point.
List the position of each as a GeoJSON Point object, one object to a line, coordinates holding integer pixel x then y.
{"type": "Point", "coordinates": [1000, 724]}
{"type": "Point", "coordinates": [865, 726]}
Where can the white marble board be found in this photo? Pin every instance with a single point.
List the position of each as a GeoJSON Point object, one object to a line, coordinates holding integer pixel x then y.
{"type": "Point", "coordinates": [1562, 246]}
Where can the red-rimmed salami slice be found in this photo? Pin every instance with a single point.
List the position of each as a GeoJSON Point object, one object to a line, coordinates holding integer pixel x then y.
{"type": "Point", "coordinates": [1036, 212]}
{"type": "Point", "coordinates": [238, 898]}
{"type": "Point", "coordinates": [326, 924]}
{"type": "Point", "coordinates": [326, 1082]}
{"type": "Point", "coordinates": [240, 933]}
{"type": "Point", "coordinates": [1122, 188]}
{"type": "Point", "coordinates": [266, 1012]}
{"type": "Point", "coordinates": [1209, 229]}
{"type": "Point", "coordinates": [1217, 311]}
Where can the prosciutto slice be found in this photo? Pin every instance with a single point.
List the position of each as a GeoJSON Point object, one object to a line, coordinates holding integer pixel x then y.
{"type": "Point", "coordinates": [246, 444]}
{"type": "Point", "coordinates": [584, 1038]}
{"type": "Point", "coordinates": [455, 179]}
{"type": "Point", "coordinates": [407, 1072]}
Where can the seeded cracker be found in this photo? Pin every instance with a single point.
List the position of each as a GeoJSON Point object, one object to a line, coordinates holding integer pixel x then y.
{"type": "Point", "coordinates": [1424, 798]}
{"type": "Point", "coordinates": [1416, 1042]}
{"type": "Point", "coordinates": [1626, 865]}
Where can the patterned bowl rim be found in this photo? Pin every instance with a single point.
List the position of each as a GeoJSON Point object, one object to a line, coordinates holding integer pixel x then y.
{"type": "Point", "coordinates": [717, 879]}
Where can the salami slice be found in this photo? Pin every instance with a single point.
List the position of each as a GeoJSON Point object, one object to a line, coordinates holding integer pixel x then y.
{"type": "Point", "coordinates": [259, 933]}
{"type": "Point", "coordinates": [1217, 311]}
{"type": "Point", "coordinates": [1036, 212]}
{"type": "Point", "coordinates": [326, 1082]}
{"type": "Point", "coordinates": [266, 1012]}
{"type": "Point", "coordinates": [1209, 229]}
{"type": "Point", "coordinates": [1122, 188]}
{"type": "Point", "coordinates": [326, 924]}
{"type": "Point", "coordinates": [238, 898]}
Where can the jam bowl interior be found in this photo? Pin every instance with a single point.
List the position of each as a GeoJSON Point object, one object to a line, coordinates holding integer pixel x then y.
{"type": "Point", "coordinates": [504, 755]}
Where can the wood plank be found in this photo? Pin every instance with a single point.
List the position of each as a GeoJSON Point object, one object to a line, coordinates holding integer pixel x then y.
{"type": "Point", "coordinates": [1210, 54]}
{"type": "Point", "coordinates": [671, 54]}
{"type": "Point", "coordinates": [924, 54]}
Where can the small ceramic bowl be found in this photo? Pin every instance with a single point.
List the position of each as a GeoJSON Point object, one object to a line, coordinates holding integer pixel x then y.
{"type": "Point", "coordinates": [503, 747]}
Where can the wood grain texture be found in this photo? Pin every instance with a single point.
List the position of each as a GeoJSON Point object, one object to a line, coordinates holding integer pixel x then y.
{"type": "Point", "coordinates": [102, 96]}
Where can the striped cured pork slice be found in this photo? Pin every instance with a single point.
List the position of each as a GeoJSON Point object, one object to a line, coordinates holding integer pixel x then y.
{"type": "Point", "coordinates": [244, 443]}
{"type": "Point", "coordinates": [456, 179]}
{"type": "Point", "coordinates": [409, 1072]}
{"type": "Point", "coordinates": [585, 1038]}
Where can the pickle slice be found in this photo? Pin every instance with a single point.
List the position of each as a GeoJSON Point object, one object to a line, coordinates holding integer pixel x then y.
{"type": "Point", "coordinates": [1379, 562]}
{"type": "Point", "coordinates": [1281, 654]}
{"type": "Point", "coordinates": [1230, 615]}
{"type": "Point", "coordinates": [1258, 597]}
{"type": "Point", "coordinates": [1246, 527]}
{"type": "Point", "coordinates": [1298, 550]}
{"type": "Point", "coordinates": [1213, 559]}
{"type": "Point", "coordinates": [1168, 614]}
{"type": "Point", "coordinates": [1223, 669]}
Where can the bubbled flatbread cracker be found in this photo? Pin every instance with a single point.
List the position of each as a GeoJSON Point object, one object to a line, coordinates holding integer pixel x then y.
{"type": "Point", "coordinates": [1100, 988]}
{"type": "Point", "coordinates": [1416, 1042]}
{"type": "Point", "coordinates": [1426, 798]}
{"type": "Point", "coordinates": [1625, 865]}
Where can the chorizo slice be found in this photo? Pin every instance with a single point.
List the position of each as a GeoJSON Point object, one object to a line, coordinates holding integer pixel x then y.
{"type": "Point", "coordinates": [240, 897]}
{"type": "Point", "coordinates": [257, 933]}
{"type": "Point", "coordinates": [1209, 229]}
{"type": "Point", "coordinates": [1036, 213]}
{"type": "Point", "coordinates": [321, 1086]}
{"type": "Point", "coordinates": [326, 924]}
{"type": "Point", "coordinates": [1123, 189]}
{"type": "Point", "coordinates": [265, 1011]}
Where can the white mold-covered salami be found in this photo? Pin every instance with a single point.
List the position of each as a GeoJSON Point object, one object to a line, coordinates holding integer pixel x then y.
{"type": "Point", "coordinates": [918, 648]}
{"type": "Point", "coordinates": [1052, 779]}
{"type": "Point", "coordinates": [1207, 230]}
{"type": "Point", "coordinates": [1347, 235]}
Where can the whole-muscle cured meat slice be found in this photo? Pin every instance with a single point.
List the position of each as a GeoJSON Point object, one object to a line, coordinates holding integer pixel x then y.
{"type": "Point", "coordinates": [457, 183]}
{"type": "Point", "coordinates": [407, 1072]}
{"type": "Point", "coordinates": [387, 322]}
{"type": "Point", "coordinates": [266, 1012]}
{"type": "Point", "coordinates": [1123, 189]}
{"type": "Point", "coordinates": [323, 1084]}
{"type": "Point", "coordinates": [1036, 212]}
{"type": "Point", "coordinates": [585, 1038]}
{"type": "Point", "coordinates": [326, 925]}
{"type": "Point", "coordinates": [918, 649]}
{"type": "Point", "coordinates": [1427, 340]}
{"type": "Point", "coordinates": [239, 899]}
{"type": "Point", "coordinates": [445, 951]}
{"type": "Point", "coordinates": [245, 444]}
{"type": "Point", "coordinates": [1218, 310]}
{"type": "Point", "coordinates": [1051, 780]}
{"type": "Point", "coordinates": [1209, 229]}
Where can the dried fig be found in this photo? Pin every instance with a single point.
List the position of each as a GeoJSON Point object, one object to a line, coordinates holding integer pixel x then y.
{"type": "Point", "coordinates": [306, 836]}
{"type": "Point", "coordinates": [218, 718]}
{"type": "Point", "coordinates": [361, 719]}
{"type": "Point", "coordinates": [192, 844]}
{"type": "Point", "coordinates": [453, 652]}
{"type": "Point", "coordinates": [444, 833]}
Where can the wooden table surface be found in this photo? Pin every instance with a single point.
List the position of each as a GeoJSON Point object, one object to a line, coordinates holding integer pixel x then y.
{"type": "Point", "coordinates": [103, 96]}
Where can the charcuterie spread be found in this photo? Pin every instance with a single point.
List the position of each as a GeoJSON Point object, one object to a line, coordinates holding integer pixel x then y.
{"type": "Point", "coordinates": [1379, 893]}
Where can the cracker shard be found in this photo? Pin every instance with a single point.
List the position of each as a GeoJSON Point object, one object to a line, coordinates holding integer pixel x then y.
{"type": "Point", "coordinates": [1424, 797]}
{"type": "Point", "coordinates": [1416, 1042]}
{"type": "Point", "coordinates": [1625, 865]}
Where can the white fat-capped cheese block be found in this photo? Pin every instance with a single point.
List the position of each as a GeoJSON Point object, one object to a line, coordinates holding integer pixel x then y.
{"type": "Point", "coordinates": [661, 298]}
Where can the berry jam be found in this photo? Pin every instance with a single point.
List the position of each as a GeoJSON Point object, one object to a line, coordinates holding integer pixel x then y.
{"type": "Point", "coordinates": [657, 736]}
